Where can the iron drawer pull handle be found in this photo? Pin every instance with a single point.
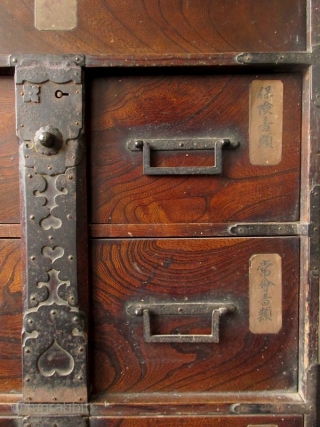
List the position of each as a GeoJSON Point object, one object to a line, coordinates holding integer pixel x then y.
{"type": "Point", "coordinates": [215, 309]}
{"type": "Point", "coordinates": [215, 144]}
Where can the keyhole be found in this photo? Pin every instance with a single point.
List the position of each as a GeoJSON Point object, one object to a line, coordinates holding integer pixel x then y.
{"type": "Point", "coordinates": [59, 94]}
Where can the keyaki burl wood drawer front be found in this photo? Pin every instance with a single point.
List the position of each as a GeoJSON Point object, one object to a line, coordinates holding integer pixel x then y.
{"type": "Point", "coordinates": [146, 28]}
{"type": "Point", "coordinates": [10, 316]}
{"type": "Point", "coordinates": [182, 107]}
{"type": "Point", "coordinates": [228, 421]}
{"type": "Point", "coordinates": [135, 284]}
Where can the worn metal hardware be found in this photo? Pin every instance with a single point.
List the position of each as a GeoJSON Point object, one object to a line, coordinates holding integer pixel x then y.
{"type": "Point", "coordinates": [49, 128]}
{"type": "Point", "coordinates": [279, 58]}
{"type": "Point", "coordinates": [266, 408]}
{"type": "Point", "coordinates": [187, 309]}
{"type": "Point", "coordinates": [48, 421]}
{"type": "Point", "coordinates": [265, 229]}
{"type": "Point", "coordinates": [215, 144]}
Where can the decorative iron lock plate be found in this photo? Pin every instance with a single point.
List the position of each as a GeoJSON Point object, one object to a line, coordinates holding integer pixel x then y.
{"type": "Point", "coordinates": [49, 126]}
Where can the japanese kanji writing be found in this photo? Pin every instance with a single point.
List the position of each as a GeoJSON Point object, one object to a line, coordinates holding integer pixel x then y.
{"type": "Point", "coordinates": [265, 111]}
{"type": "Point", "coordinates": [265, 312]}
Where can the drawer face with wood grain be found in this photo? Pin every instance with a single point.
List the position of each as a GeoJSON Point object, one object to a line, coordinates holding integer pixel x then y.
{"type": "Point", "coordinates": [259, 180]}
{"type": "Point", "coordinates": [9, 150]}
{"type": "Point", "coordinates": [149, 334]}
{"type": "Point", "coordinates": [10, 316]}
{"type": "Point", "coordinates": [228, 421]}
{"type": "Point", "coordinates": [147, 28]}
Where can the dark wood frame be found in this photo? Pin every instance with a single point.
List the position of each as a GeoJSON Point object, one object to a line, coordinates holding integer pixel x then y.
{"type": "Point", "coordinates": [306, 400]}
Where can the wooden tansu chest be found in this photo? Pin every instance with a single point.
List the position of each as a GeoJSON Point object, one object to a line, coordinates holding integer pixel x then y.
{"type": "Point", "coordinates": [159, 222]}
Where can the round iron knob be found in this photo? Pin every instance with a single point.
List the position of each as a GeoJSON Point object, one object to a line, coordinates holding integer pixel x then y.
{"type": "Point", "coordinates": [48, 140]}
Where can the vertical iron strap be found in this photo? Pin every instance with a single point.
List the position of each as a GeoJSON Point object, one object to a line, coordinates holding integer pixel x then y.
{"type": "Point", "coordinates": [49, 114]}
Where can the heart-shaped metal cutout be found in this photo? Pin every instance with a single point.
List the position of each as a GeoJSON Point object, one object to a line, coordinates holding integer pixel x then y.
{"type": "Point", "coordinates": [55, 360]}
{"type": "Point", "coordinates": [52, 253]}
{"type": "Point", "coordinates": [50, 222]}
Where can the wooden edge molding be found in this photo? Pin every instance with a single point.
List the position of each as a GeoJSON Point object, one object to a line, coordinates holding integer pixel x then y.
{"type": "Point", "coordinates": [10, 231]}
{"type": "Point", "coordinates": [4, 60]}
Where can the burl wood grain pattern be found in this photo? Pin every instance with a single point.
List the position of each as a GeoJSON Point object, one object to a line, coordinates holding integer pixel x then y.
{"type": "Point", "coordinates": [188, 270]}
{"type": "Point", "coordinates": [10, 316]}
{"type": "Point", "coordinates": [162, 27]}
{"type": "Point", "coordinates": [137, 105]}
{"type": "Point", "coordinates": [9, 154]}
{"type": "Point", "coordinates": [255, 421]}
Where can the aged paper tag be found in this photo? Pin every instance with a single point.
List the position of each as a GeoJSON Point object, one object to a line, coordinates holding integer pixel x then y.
{"type": "Point", "coordinates": [265, 293]}
{"type": "Point", "coordinates": [56, 14]}
{"type": "Point", "coordinates": [266, 118]}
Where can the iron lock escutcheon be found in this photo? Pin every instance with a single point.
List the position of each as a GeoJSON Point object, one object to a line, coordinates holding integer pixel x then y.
{"type": "Point", "coordinates": [49, 124]}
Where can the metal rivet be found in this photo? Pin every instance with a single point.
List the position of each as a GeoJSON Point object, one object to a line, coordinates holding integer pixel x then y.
{"type": "Point", "coordinates": [21, 126]}
{"type": "Point", "coordinates": [81, 349]}
{"type": "Point", "coordinates": [27, 351]}
{"type": "Point", "coordinates": [70, 258]}
{"type": "Point", "coordinates": [32, 217]}
{"type": "Point", "coordinates": [49, 167]}
{"type": "Point", "coordinates": [138, 144]}
{"type": "Point", "coordinates": [79, 399]}
{"type": "Point", "coordinates": [75, 319]}
{"type": "Point", "coordinates": [27, 156]}
{"type": "Point", "coordinates": [54, 398]}
{"type": "Point", "coordinates": [53, 312]}
{"type": "Point", "coordinates": [77, 91]}
{"type": "Point", "coordinates": [30, 321]}
{"type": "Point", "coordinates": [32, 258]}
{"type": "Point", "coordinates": [27, 380]}
{"type": "Point", "coordinates": [30, 176]}
{"type": "Point", "coordinates": [14, 60]}
{"type": "Point", "coordinates": [76, 123]}
{"type": "Point", "coordinates": [69, 216]}
{"type": "Point", "coordinates": [29, 398]}
{"type": "Point", "coordinates": [70, 177]}
{"type": "Point", "coordinates": [33, 298]}
{"type": "Point", "coordinates": [50, 237]}
{"type": "Point", "coordinates": [77, 58]}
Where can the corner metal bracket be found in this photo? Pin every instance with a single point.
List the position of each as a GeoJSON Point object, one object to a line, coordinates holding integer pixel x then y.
{"type": "Point", "coordinates": [275, 58]}
{"type": "Point", "coordinates": [49, 123]}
